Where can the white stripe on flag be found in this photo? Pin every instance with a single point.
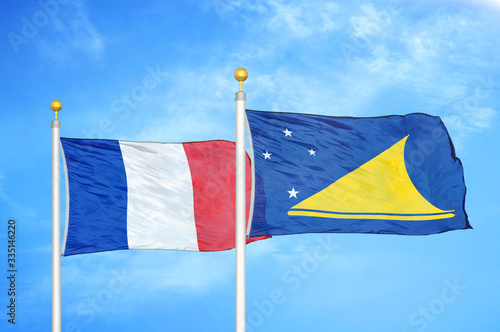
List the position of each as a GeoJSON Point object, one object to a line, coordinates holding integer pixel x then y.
{"type": "Point", "coordinates": [160, 208]}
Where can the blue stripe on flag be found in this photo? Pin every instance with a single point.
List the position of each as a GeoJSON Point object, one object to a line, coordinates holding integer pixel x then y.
{"type": "Point", "coordinates": [98, 190]}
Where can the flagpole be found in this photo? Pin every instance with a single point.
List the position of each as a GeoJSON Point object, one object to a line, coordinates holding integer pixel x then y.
{"type": "Point", "coordinates": [240, 97]}
{"type": "Point", "coordinates": [56, 220]}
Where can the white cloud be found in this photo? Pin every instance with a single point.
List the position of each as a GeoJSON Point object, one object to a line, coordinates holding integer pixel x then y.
{"type": "Point", "coordinates": [289, 19]}
{"type": "Point", "coordinates": [481, 117]}
{"type": "Point", "coordinates": [418, 56]}
{"type": "Point", "coordinates": [422, 48]}
{"type": "Point", "coordinates": [465, 121]}
{"type": "Point", "coordinates": [121, 281]}
{"type": "Point", "coordinates": [261, 248]}
{"type": "Point", "coordinates": [197, 104]}
{"type": "Point", "coordinates": [17, 206]}
{"type": "Point", "coordinates": [187, 273]}
{"type": "Point", "coordinates": [302, 21]}
{"type": "Point", "coordinates": [76, 35]}
{"type": "Point", "coordinates": [373, 22]}
{"type": "Point", "coordinates": [495, 4]}
{"type": "Point", "coordinates": [246, 52]}
{"type": "Point", "coordinates": [190, 106]}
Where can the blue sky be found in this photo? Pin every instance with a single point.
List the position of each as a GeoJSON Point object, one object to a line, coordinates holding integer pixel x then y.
{"type": "Point", "coordinates": [163, 71]}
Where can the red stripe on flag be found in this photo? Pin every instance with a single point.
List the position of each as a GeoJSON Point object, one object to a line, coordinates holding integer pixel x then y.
{"type": "Point", "coordinates": [212, 165]}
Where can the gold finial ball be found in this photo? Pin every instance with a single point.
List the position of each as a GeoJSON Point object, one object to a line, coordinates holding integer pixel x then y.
{"type": "Point", "coordinates": [241, 74]}
{"type": "Point", "coordinates": [56, 105]}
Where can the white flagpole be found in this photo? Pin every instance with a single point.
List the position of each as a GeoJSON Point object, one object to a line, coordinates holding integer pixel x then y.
{"type": "Point", "coordinates": [56, 220]}
{"type": "Point", "coordinates": [240, 74]}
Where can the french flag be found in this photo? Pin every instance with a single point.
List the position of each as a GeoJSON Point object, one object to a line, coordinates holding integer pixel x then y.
{"type": "Point", "coordinates": [135, 195]}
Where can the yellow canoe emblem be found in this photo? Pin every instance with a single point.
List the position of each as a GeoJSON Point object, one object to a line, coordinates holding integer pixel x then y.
{"type": "Point", "coordinates": [379, 189]}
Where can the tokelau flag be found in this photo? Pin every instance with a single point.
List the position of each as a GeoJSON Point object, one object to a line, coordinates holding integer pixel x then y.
{"type": "Point", "coordinates": [392, 175]}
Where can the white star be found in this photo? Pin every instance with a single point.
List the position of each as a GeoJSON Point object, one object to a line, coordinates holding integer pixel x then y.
{"type": "Point", "coordinates": [267, 155]}
{"type": "Point", "coordinates": [293, 193]}
{"type": "Point", "coordinates": [312, 152]}
{"type": "Point", "coordinates": [287, 132]}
